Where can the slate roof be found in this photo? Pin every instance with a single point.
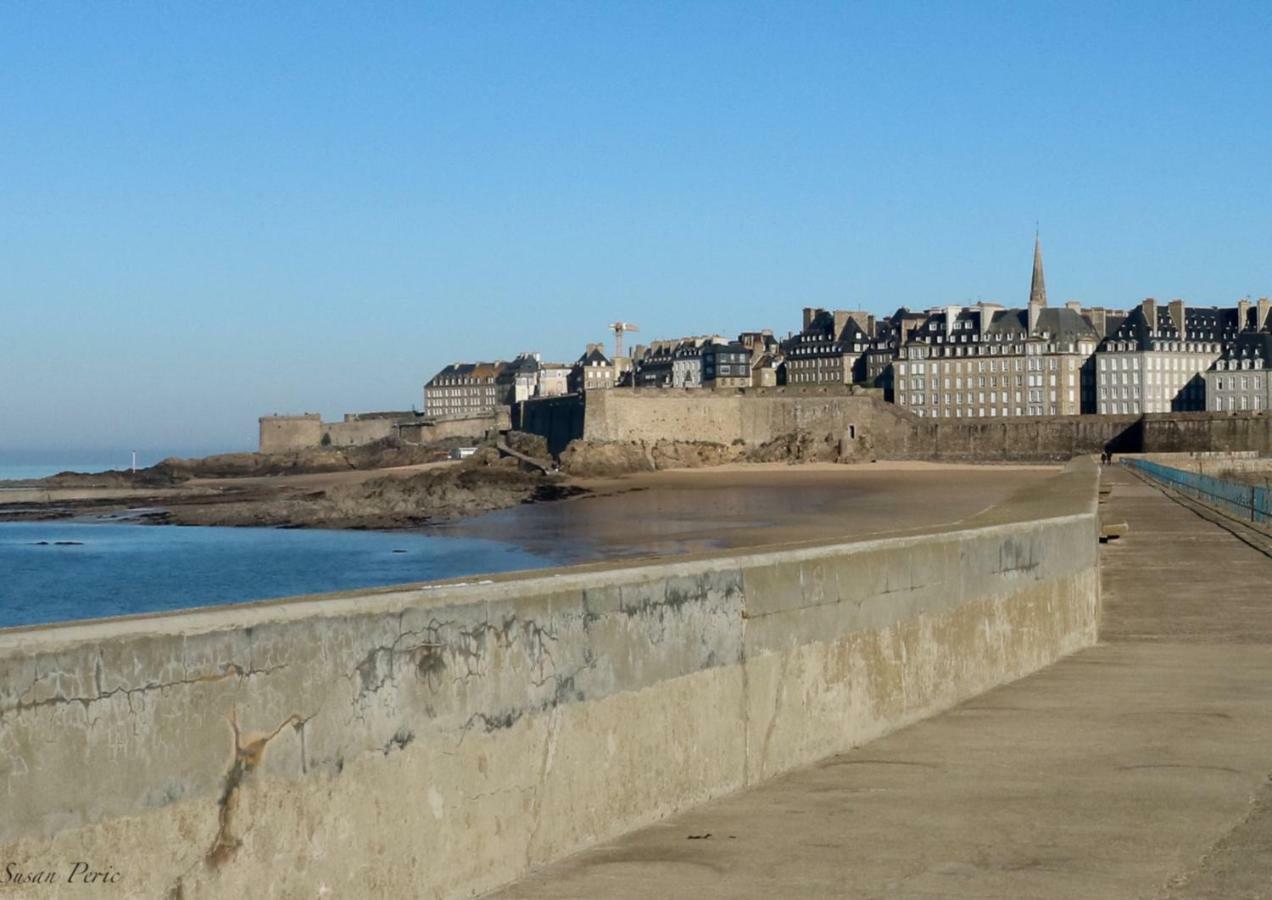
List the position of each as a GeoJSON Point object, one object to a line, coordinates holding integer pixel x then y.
{"type": "Point", "coordinates": [1250, 345]}
{"type": "Point", "coordinates": [594, 357]}
{"type": "Point", "coordinates": [469, 371]}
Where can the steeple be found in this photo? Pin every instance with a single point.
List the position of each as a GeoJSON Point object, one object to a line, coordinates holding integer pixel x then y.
{"type": "Point", "coordinates": [1038, 287]}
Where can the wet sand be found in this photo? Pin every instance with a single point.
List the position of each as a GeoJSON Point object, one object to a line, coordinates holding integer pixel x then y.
{"type": "Point", "coordinates": [746, 505]}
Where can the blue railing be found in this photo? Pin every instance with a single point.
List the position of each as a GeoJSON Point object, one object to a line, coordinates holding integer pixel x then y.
{"type": "Point", "coordinates": [1243, 500]}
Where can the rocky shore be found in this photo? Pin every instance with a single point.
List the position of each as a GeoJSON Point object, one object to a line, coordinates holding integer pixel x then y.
{"type": "Point", "coordinates": [384, 486]}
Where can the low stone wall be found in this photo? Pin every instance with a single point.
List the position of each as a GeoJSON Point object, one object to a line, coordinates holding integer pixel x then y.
{"type": "Point", "coordinates": [429, 431]}
{"type": "Point", "coordinates": [356, 432]}
{"type": "Point", "coordinates": [440, 740]}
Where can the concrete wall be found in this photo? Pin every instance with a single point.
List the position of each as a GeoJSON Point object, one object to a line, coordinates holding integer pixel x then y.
{"type": "Point", "coordinates": [440, 740]}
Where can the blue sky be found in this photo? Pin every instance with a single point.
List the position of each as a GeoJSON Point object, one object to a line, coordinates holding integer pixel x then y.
{"type": "Point", "coordinates": [214, 211]}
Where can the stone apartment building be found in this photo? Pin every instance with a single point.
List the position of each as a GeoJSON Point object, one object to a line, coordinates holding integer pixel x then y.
{"type": "Point", "coordinates": [554, 380]}
{"type": "Point", "coordinates": [519, 379]}
{"type": "Point", "coordinates": [830, 348]}
{"type": "Point", "coordinates": [475, 389]}
{"type": "Point", "coordinates": [653, 364]}
{"type": "Point", "coordinates": [1155, 360]}
{"type": "Point", "coordinates": [765, 369]}
{"type": "Point", "coordinates": [592, 371]}
{"type": "Point", "coordinates": [987, 361]}
{"type": "Point", "coordinates": [726, 365]}
{"type": "Point", "coordinates": [468, 389]}
{"type": "Point", "coordinates": [686, 364]}
{"type": "Point", "coordinates": [1241, 379]}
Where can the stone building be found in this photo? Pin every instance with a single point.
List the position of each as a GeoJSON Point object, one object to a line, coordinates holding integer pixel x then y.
{"type": "Point", "coordinates": [592, 371]}
{"type": "Point", "coordinates": [468, 389]}
{"type": "Point", "coordinates": [653, 365]}
{"type": "Point", "coordinates": [686, 365]}
{"type": "Point", "coordinates": [764, 370]}
{"type": "Point", "coordinates": [1153, 362]}
{"type": "Point", "coordinates": [1241, 379]}
{"type": "Point", "coordinates": [878, 358]}
{"type": "Point", "coordinates": [519, 379]}
{"type": "Point", "coordinates": [726, 365]}
{"type": "Point", "coordinates": [554, 380]}
{"type": "Point", "coordinates": [987, 361]}
{"type": "Point", "coordinates": [830, 348]}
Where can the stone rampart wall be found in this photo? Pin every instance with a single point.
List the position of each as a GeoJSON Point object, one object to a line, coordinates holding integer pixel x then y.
{"type": "Point", "coordinates": [873, 428]}
{"type": "Point", "coordinates": [356, 432]}
{"type": "Point", "coordinates": [283, 434]}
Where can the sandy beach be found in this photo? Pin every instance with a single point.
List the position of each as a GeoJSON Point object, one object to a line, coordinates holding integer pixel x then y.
{"type": "Point", "coordinates": [745, 505]}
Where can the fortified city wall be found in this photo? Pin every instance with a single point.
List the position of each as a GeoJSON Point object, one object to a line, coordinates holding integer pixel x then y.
{"type": "Point", "coordinates": [281, 434]}
{"type": "Point", "coordinates": [440, 740]}
{"type": "Point", "coordinates": [872, 428]}
{"type": "Point", "coordinates": [285, 434]}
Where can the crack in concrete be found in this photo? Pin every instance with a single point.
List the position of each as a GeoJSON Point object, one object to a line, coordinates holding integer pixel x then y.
{"type": "Point", "coordinates": [777, 708]}
{"type": "Point", "coordinates": [230, 670]}
{"type": "Point", "coordinates": [545, 768]}
{"type": "Point", "coordinates": [565, 691]}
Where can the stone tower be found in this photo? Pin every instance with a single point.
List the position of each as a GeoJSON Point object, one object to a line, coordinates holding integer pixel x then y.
{"type": "Point", "coordinates": [1038, 287]}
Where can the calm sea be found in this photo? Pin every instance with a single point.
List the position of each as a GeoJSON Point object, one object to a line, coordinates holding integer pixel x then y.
{"type": "Point", "coordinates": [57, 571]}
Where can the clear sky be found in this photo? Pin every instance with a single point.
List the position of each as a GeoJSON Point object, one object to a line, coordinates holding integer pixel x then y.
{"type": "Point", "coordinates": [213, 211]}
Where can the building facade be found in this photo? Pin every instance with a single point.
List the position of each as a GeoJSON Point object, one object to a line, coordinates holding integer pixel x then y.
{"type": "Point", "coordinates": [1155, 360]}
{"type": "Point", "coordinates": [726, 366]}
{"type": "Point", "coordinates": [830, 348]}
{"type": "Point", "coordinates": [593, 371]}
{"type": "Point", "coordinates": [467, 389]}
{"type": "Point", "coordinates": [1241, 379]}
{"type": "Point", "coordinates": [986, 361]}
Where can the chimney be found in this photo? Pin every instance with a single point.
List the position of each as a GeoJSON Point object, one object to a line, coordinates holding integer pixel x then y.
{"type": "Point", "coordinates": [1075, 305]}
{"type": "Point", "coordinates": [1243, 315]}
{"type": "Point", "coordinates": [1150, 313]}
{"type": "Point", "coordinates": [841, 319]}
{"type": "Point", "coordinates": [951, 313]}
{"type": "Point", "coordinates": [1265, 314]}
{"type": "Point", "coordinates": [1096, 316]}
{"type": "Point", "coordinates": [1177, 314]}
{"type": "Point", "coordinates": [810, 313]}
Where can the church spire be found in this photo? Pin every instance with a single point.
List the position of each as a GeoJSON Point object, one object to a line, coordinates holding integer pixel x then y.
{"type": "Point", "coordinates": [1038, 287]}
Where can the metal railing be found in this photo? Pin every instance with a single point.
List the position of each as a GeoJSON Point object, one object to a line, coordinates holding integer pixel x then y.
{"type": "Point", "coordinates": [1245, 501]}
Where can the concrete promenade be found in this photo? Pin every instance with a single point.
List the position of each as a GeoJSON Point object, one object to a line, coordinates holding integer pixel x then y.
{"type": "Point", "coordinates": [1137, 768]}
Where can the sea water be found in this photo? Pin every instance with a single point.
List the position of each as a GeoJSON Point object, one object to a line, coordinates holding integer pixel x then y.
{"type": "Point", "coordinates": [58, 571]}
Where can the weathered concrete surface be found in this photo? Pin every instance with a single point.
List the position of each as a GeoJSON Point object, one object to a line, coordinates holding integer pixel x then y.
{"type": "Point", "coordinates": [441, 740]}
{"type": "Point", "coordinates": [1135, 769]}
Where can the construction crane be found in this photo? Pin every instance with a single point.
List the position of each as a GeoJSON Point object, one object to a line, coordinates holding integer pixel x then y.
{"type": "Point", "coordinates": [619, 328]}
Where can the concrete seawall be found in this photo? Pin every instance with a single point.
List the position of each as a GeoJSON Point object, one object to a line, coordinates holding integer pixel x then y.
{"type": "Point", "coordinates": [440, 740]}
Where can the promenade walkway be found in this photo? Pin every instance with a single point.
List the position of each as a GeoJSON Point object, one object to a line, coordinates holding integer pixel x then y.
{"type": "Point", "coordinates": [1137, 768]}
